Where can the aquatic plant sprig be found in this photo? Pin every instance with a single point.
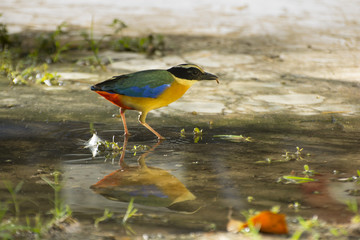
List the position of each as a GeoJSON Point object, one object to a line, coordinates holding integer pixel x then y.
{"type": "Point", "coordinates": [4, 36]}
{"type": "Point", "coordinates": [307, 172]}
{"type": "Point", "coordinates": [110, 149]}
{"type": "Point", "coordinates": [298, 155]}
{"type": "Point", "coordinates": [139, 148]}
{"type": "Point", "coordinates": [353, 207]}
{"type": "Point", "coordinates": [94, 44]}
{"type": "Point", "coordinates": [130, 211]}
{"type": "Point", "coordinates": [13, 192]}
{"type": "Point", "coordinates": [354, 178]}
{"type": "Point", "coordinates": [60, 211]}
{"type": "Point", "coordinates": [294, 156]}
{"type": "Point", "coordinates": [107, 215]}
{"type": "Point", "coordinates": [20, 74]}
{"type": "Point", "coordinates": [234, 138]}
{"type": "Point", "coordinates": [11, 226]}
{"type": "Point", "coordinates": [298, 179]}
{"type": "Point", "coordinates": [306, 226]}
{"type": "Point", "coordinates": [59, 46]}
{"type": "Point", "coordinates": [197, 134]}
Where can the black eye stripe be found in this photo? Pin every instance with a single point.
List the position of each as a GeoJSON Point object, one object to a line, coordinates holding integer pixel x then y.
{"type": "Point", "coordinates": [188, 72]}
{"type": "Point", "coordinates": [194, 71]}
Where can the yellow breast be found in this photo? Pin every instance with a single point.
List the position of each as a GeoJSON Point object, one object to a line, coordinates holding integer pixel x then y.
{"type": "Point", "coordinates": [171, 94]}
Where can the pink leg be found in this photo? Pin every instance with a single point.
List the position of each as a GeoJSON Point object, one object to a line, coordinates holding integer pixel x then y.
{"type": "Point", "coordinates": [141, 159]}
{"type": "Point", "coordinates": [121, 161]}
{"type": "Point", "coordinates": [122, 114]}
{"type": "Point", "coordinates": [152, 130]}
{"type": "Point", "coordinates": [142, 118]}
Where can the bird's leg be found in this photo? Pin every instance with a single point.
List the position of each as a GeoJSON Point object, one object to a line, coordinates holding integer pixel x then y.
{"type": "Point", "coordinates": [142, 118]}
{"type": "Point", "coordinates": [141, 159]}
{"type": "Point", "coordinates": [122, 114]}
{"type": "Point", "coordinates": [121, 161]}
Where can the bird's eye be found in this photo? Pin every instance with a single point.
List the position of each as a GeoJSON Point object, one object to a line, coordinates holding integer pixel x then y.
{"type": "Point", "coordinates": [194, 72]}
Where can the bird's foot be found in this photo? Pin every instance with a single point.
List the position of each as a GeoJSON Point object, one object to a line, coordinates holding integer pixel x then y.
{"type": "Point", "coordinates": [161, 138]}
{"type": "Point", "coordinates": [127, 134]}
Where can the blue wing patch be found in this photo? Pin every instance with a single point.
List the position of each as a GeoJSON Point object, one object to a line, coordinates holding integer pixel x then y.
{"type": "Point", "coordinates": [146, 91]}
{"type": "Point", "coordinates": [147, 191]}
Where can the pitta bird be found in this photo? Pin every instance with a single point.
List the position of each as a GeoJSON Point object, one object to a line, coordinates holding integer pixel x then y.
{"type": "Point", "coordinates": [150, 89]}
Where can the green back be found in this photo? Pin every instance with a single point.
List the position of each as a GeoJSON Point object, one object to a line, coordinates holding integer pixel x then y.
{"type": "Point", "coordinates": [151, 78]}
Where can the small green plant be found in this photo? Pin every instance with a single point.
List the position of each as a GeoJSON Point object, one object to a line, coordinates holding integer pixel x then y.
{"type": "Point", "coordinates": [13, 192]}
{"type": "Point", "coordinates": [197, 134]}
{"type": "Point", "coordinates": [251, 230]}
{"type": "Point", "coordinates": [250, 199]}
{"type": "Point", "coordinates": [182, 133]}
{"type": "Point", "coordinates": [299, 153]}
{"type": "Point", "coordinates": [288, 156]}
{"type": "Point", "coordinates": [307, 172]}
{"type": "Point", "coordinates": [353, 207]}
{"type": "Point", "coordinates": [59, 46]}
{"type": "Point", "coordinates": [306, 226]}
{"type": "Point", "coordinates": [295, 179]}
{"type": "Point", "coordinates": [60, 211]}
{"type": "Point", "coordinates": [49, 45]}
{"type": "Point", "coordinates": [296, 206]}
{"type": "Point", "coordinates": [107, 215]}
{"type": "Point", "coordinates": [4, 36]}
{"type": "Point", "coordinates": [130, 212]}
{"type": "Point", "coordinates": [11, 226]}
{"type": "Point", "coordinates": [275, 209]}
{"type": "Point", "coordinates": [338, 232]}
{"type": "Point", "coordinates": [20, 74]}
{"type": "Point", "coordinates": [36, 74]}
{"type": "Point", "coordinates": [7, 67]}
{"type": "Point", "coordinates": [151, 44]}
{"type": "Point", "coordinates": [118, 25]}
{"type": "Point", "coordinates": [296, 156]}
{"type": "Point", "coordinates": [355, 179]}
{"type": "Point", "coordinates": [94, 45]}
{"type": "Point", "coordinates": [138, 148]}
{"type": "Point", "coordinates": [111, 150]}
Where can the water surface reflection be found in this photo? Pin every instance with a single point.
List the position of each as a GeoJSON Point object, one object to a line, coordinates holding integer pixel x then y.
{"type": "Point", "coordinates": [150, 186]}
{"type": "Point", "coordinates": [203, 180]}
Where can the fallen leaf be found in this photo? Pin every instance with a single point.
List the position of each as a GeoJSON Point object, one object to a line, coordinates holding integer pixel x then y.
{"type": "Point", "coordinates": [234, 138]}
{"type": "Point", "coordinates": [268, 222]}
{"type": "Point", "coordinates": [295, 179]}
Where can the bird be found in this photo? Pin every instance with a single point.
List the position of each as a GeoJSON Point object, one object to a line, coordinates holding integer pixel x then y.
{"type": "Point", "coordinates": [150, 89]}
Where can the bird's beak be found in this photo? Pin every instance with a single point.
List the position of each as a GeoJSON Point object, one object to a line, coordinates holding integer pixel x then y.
{"type": "Point", "coordinates": [209, 76]}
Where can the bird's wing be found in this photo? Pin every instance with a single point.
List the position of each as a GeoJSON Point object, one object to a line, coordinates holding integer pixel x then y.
{"type": "Point", "coordinates": [149, 83]}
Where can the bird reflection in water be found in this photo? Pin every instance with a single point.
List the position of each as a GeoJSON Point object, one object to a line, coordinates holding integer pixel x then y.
{"type": "Point", "coordinates": [149, 186]}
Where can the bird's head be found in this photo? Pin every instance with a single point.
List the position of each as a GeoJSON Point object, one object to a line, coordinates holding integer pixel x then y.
{"type": "Point", "coordinates": [191, 72]}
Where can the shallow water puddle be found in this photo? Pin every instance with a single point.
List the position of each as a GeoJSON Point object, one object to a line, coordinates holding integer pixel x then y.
{"type": "Point", "coordinates": [179, 185]}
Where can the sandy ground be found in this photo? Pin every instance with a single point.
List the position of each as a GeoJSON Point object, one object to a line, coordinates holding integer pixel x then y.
{"type": "Point", "coordinates": [299, 57]}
